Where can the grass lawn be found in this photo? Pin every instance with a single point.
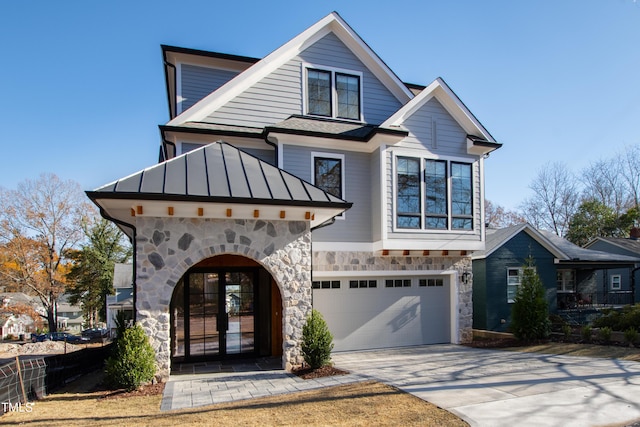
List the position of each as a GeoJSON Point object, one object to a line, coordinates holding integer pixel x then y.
{"type": "Point", "coordinates": [362, 404]}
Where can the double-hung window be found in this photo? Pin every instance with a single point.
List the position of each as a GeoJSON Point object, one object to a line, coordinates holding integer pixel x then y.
{"type": "Point", "coordinates": [616, 282]}
{"type": "Point", "coordinates": [566, 281]}
{"type": "Point", "coordinates": [433, 194]}
{"type": "Point", "coordinates": [332, 93]}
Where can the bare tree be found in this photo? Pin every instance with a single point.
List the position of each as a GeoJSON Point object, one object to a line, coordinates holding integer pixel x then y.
{"type": "Point", "coordinates": [555, 199]}
{"type": "Point", "coordinates": [39, 222]}
{"type": "Point", "coordinates": [629, 164]}
{"type": "Point", "coordinates": [497, 216]}
{"type": "Point", "coordinates": [604, 182]}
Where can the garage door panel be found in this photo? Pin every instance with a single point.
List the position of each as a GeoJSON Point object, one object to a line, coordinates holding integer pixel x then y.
{"type": "Point", "coordinates": [385, 317]}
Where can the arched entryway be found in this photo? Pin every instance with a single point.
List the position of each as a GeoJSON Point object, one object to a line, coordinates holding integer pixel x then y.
{"type": "Point", "coordinates": [225, 307]}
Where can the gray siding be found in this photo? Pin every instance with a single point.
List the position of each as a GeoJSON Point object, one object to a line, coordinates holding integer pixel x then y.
{"type": "Point", "coordinates": [198, 82]}
{"type": "Point", "coordinates": [356, 227]}
{"type": "Point", "coordinates": [450, 138]}
{"type": "Point", "coordinates": [376, 198]}
{"type": "Point", "coordinates": [279, 95]}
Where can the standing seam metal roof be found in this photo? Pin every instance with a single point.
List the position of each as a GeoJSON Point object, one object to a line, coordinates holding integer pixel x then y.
{"type": "Point", "coordinates": [219, 172]}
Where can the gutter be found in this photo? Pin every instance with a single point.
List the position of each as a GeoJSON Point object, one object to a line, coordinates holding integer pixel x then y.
{"type": "Point", "coordinates": [105, 215]}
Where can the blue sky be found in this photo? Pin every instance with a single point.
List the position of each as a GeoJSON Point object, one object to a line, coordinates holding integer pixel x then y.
{"type": "Point", "coordinates": [553, 80]}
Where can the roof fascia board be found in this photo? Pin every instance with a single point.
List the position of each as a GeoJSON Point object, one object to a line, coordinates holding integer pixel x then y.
{"type": "Point", "coordinates": [286, 52]}
{"type": "Point", "coordinates": [449, 100]}
{"type": "Point", "coordinates": [335, 142]}
{"type": "Point", "coordinates": [531, 232]}
{"type": "Point", "coordinates": [252, 75]}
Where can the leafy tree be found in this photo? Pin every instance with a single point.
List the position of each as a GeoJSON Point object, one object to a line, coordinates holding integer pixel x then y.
{"type": "Point", "coordinates": [530, 311]}
{"type": "Point", "coordinates": [39, 222]}
{"type": "Point", "coordinates": [317, 341]}
{"type": "Point", "coordinates": [90, 276]}
{"type": "Point", "coordinates": [133, 361]}
{"type": "Point", "coordinates": [555, 199]}
{"type": "Point", "coordinates": [592, 219]}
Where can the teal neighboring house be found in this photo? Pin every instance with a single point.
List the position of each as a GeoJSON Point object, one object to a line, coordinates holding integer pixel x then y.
{"type": "Point", "coordinates": [573, 276]}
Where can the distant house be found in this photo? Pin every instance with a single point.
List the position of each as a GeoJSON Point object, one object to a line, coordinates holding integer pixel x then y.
{"type": "Point", "coordinates": [122, 299]}
{"type": "Point", "coordinates": [571, 274]}
{"type": "Point", "coordinates": [620, 279]}
{"type": "Point", "coordinates": [13, 323]}
{"type": "Point", "coordinates": [70, 316]}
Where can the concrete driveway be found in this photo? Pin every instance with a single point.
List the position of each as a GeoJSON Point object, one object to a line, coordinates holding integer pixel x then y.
{"type": "Point", "coordinates": [500, 388]}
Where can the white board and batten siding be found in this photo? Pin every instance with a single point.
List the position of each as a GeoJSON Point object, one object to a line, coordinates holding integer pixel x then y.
{"type": "Point", "coordinates": [355, 226]}
{"type": "Point", "coordinates": [280, 94]}
{"type": "Point", "coordinates": [382, 317]}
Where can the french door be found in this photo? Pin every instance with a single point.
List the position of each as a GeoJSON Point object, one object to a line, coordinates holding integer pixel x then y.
{"type": "Point", "coordinates": [218, 317]}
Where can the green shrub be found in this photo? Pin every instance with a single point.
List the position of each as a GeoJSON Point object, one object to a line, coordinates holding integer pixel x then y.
{"type": "Point", "coordinates": [620, 320]}
{"type": "Point", "coordinates": [566, 330]}
{"type": "Point", "coordinates": [317, 341]}
{"type": "Point", "coordinates": [586, 333]}
{"type": "Point", "coordinates": [631, 335]}
{"type": "Point", "coordinates": [133, 361]}
{"type": "Point", "coordinates": [605, 334]}
{"type": "Point", "coordinates": [530, 311]}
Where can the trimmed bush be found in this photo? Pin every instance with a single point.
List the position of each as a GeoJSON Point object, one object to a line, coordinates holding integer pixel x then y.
{"type": "Point", "coordinates": [631, 335]}
{"type": "Point", "coordinates": [620, 320]}
{"type": "Point", "coordinates": [133, 361]}
{"type": "Point", "coordinates": [586, 333]}
{"type": "Point", "coordinates": [317, 341]}
{"type": "Point", "coordinates": [566, 331]}
{"type": "Point", "coordinates": [605, 334]}
{"type": "Point", "coordinates": [530, 311]}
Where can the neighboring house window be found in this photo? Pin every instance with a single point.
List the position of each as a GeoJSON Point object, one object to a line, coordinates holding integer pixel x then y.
{"type": "Point", "coordinates": [566, 281]}
{"type": "Point", "coordinates": [514, 278]}
{"type": "Point", "coordinates": [332, 93]}
{"type": "Point", "coordinates": [616, 282]}
{"type": "Point", "coordinates": [441, 200]}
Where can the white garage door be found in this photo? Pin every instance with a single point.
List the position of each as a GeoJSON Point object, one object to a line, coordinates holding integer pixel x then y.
{"type": "Point", "coordinates": [385, 312]}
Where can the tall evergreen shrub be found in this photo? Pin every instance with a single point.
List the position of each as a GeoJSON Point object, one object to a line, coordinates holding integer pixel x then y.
{"type": "Point", "coordinates": [317, 341]}
{"type": "Point", "coordinates": [530, 311]}
{"type": "Point", "coordinates": [133, 361]}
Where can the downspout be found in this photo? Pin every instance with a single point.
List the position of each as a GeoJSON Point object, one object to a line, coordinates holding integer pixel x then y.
{"type": "Point", "coordinates": [134, 262]}
{"type": "Point", "coordinates": [273, 144]}
{"type": "Point", "coordinates": [166, 142]}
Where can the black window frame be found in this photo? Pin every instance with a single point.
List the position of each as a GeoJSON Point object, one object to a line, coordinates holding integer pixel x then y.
{"type": "Point", "coordinates": [335, 93]}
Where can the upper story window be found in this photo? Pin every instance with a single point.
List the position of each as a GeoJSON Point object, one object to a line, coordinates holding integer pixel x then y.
{"type": "Point", "coordinates": [433, 194]}
{"type": "Point", "coordinates": [332, 93]}
{"type": "Point", "coordinates": [328, 172]}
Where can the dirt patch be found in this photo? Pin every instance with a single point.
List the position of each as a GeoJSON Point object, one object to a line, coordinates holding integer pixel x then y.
{"type": "Point", "coordinates": [145, 390]}
{"type": "Point", "coordinates": [38, 348]}
{"type": "Point", "coordinates": [325, 371]}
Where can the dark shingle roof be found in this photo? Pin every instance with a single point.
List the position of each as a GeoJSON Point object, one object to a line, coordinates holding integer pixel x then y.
{"type": "Point", "coordinates": [218, 172]}
{"type": "Point", "coordinates": [330, 128]}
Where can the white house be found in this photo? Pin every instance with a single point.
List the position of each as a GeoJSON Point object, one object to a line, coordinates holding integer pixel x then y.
{"type": "Point", "coordinates": [312, 177]}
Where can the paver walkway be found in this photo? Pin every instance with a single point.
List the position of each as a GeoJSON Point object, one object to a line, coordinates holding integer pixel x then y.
{"type": "Point", "coordinates": [208, 383]}
{"type": "Point", "coordinates": [484, 387]}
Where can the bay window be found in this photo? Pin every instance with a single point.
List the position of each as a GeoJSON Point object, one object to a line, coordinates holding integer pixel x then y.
{"type": "Point", "coordinates": [433, 194]}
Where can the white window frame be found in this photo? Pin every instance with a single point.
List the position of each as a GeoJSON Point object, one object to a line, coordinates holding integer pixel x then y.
{"type": "Point", "coordinates": [314, 155]}
{"type": "Point", "coordinates": [564, 289]}
{"type": "Point", "coordinates": [422, 229]}
{"type": "Point", "coordinates": [334, 93]}
{"type": "Point", "coordinates": [616, 282]}
{"type": "Point", "coordinates": [513, 285]}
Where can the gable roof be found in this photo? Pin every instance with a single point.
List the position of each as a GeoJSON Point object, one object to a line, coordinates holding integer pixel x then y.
{"type": "Point", "coordinates": [564, 251]}
{"type": "Point", "coordinates": [217, 176]}
{"type": "Point", "coordinates": [631, 245]}
{"type": "Point", "coordinates": [479, 140]}
{"type": "Point", "coordinates": [331, 23]}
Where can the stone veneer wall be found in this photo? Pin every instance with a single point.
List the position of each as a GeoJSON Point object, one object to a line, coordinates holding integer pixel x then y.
{"type": "Point", "coordinates": [167, 247]}
{"type": "Point", "coordinates": [367, 261]}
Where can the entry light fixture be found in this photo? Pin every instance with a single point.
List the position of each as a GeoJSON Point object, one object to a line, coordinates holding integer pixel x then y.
{"type": "Point", "coordinates": [466, 277]}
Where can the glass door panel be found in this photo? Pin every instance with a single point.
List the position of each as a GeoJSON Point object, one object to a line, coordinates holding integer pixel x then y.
{"type": "Point", "coordinates": [239, 302]}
